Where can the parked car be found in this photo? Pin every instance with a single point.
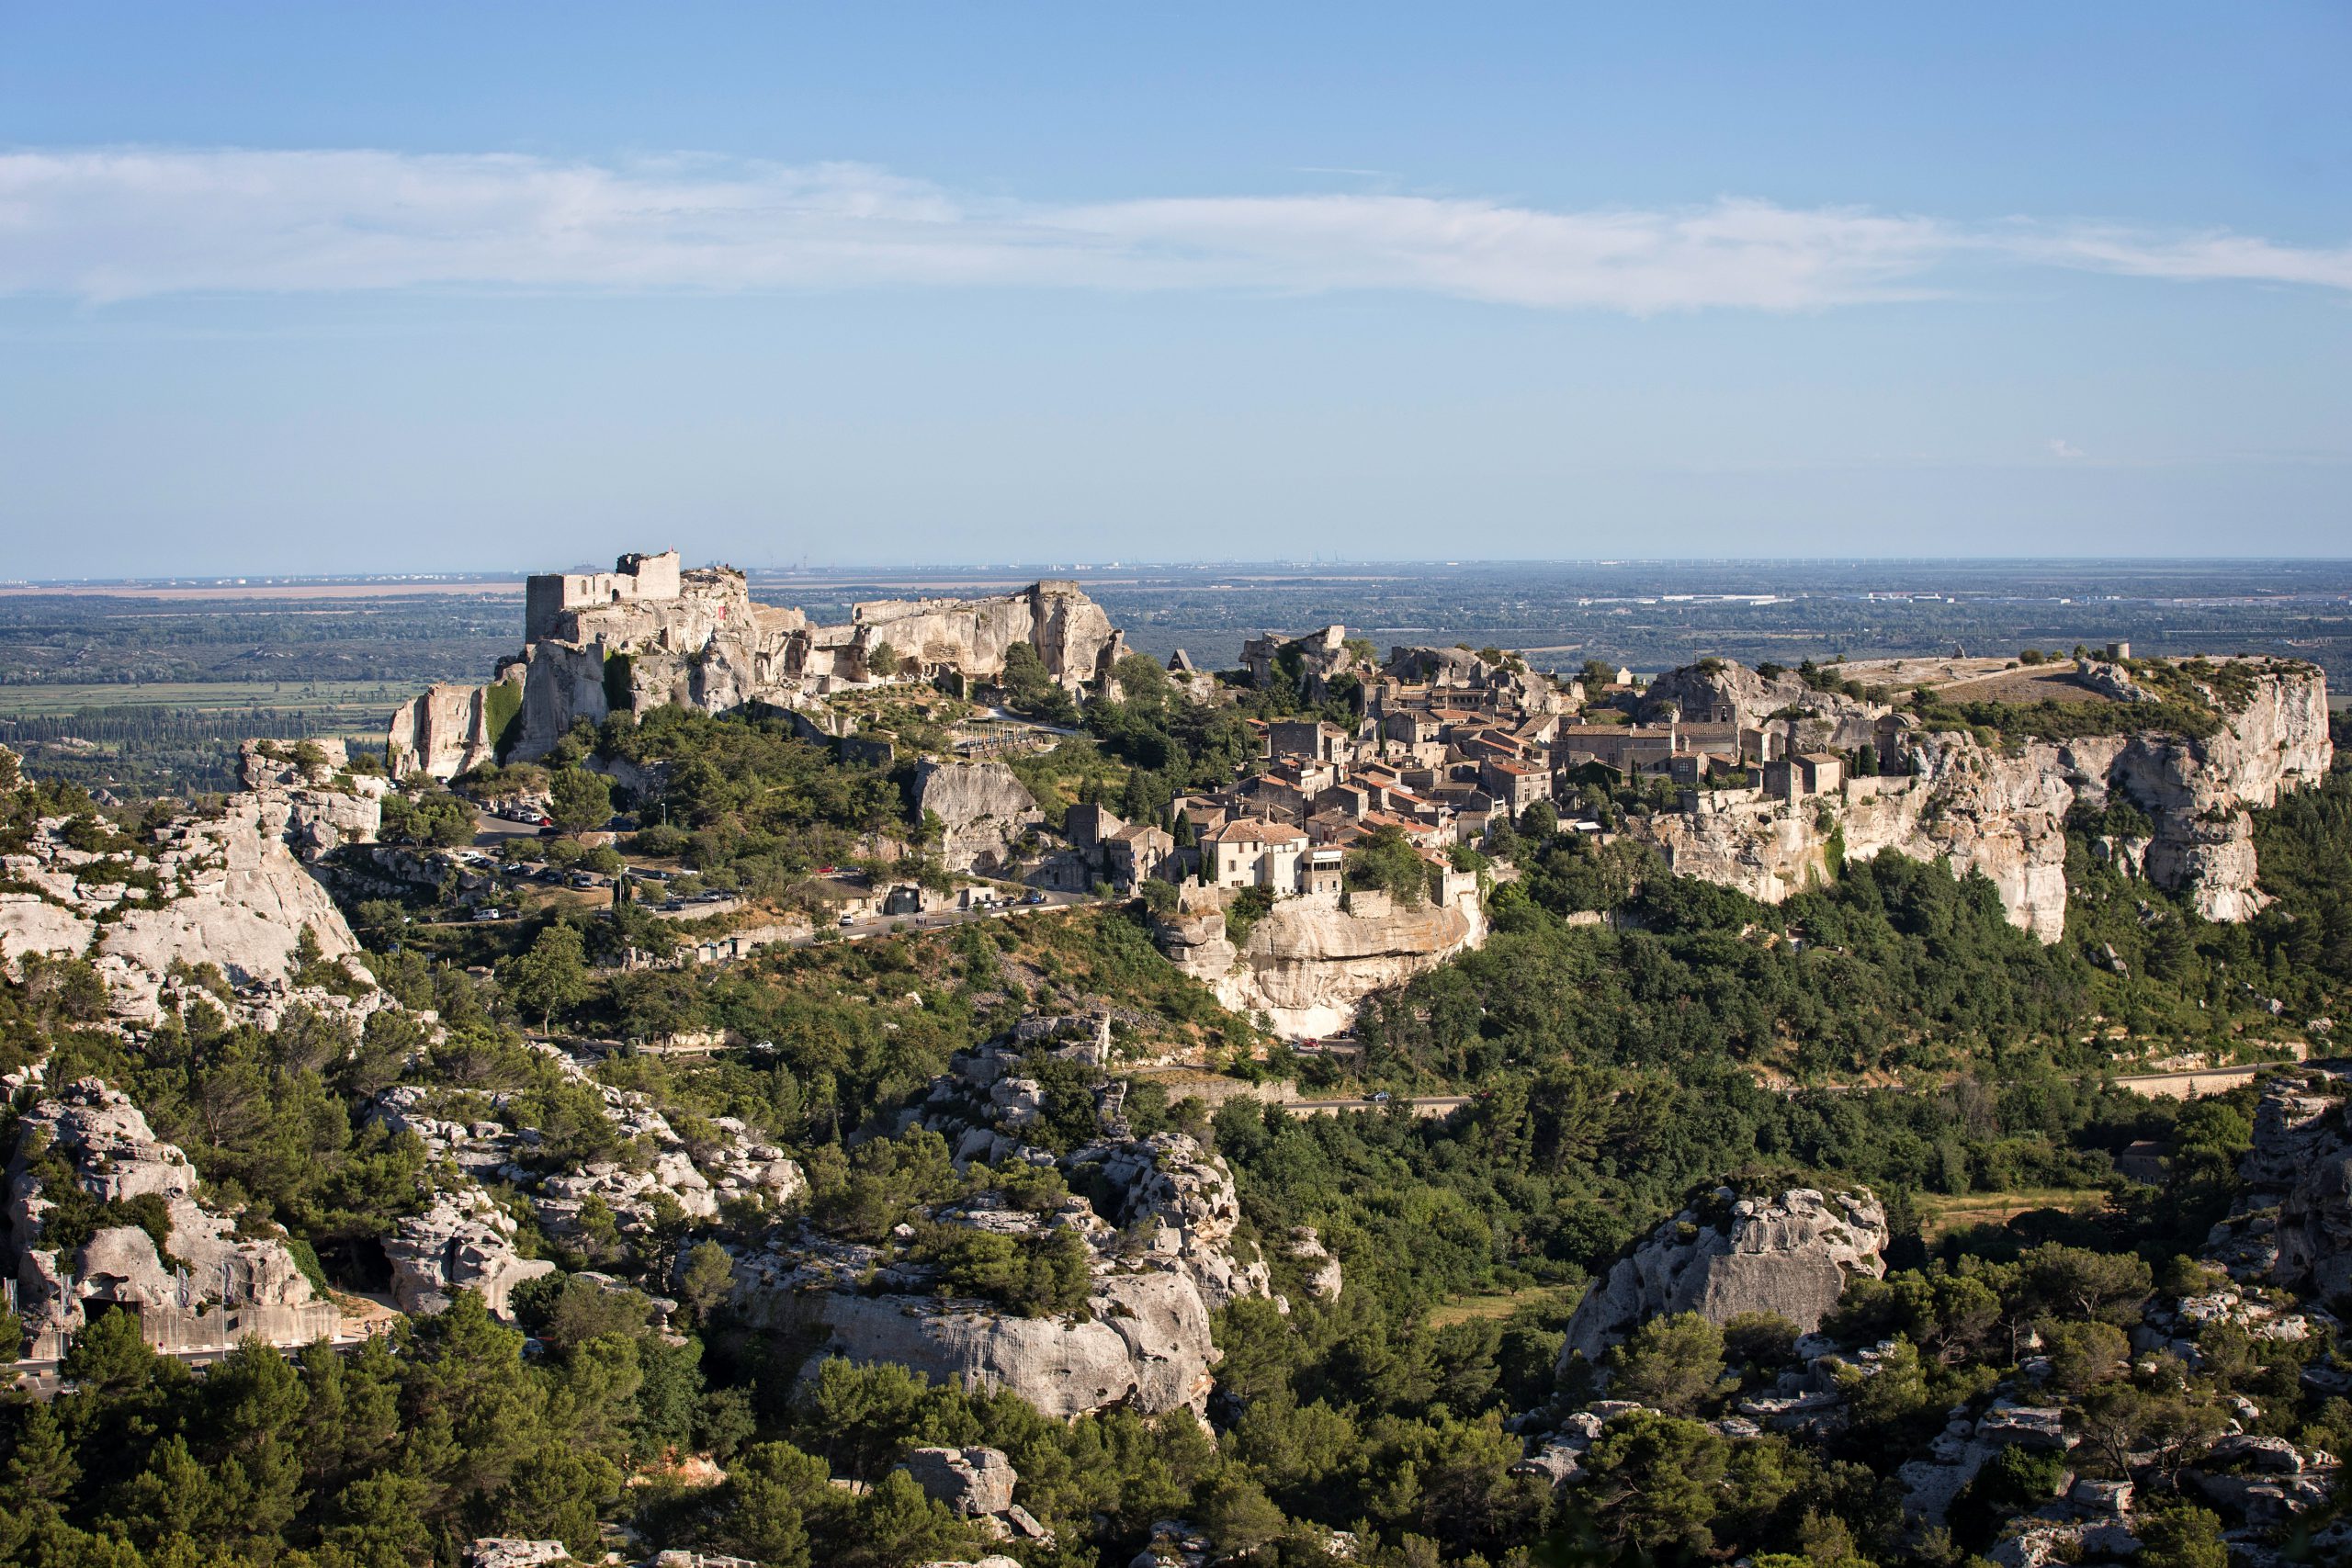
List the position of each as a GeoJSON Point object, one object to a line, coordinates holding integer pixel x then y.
{"type": "Point", "coordinates": [1035, 898]}
{"type": "Point", "coordinates": [849, 919]}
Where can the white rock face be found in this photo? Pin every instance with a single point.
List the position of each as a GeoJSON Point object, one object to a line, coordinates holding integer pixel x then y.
{"type": "Point", "coordinates": [1187, 1196]}
{"type": "Point", "coordinates": [984, 807]}
{"type": "Point", "coordinates": [1159, 1218]}
{"type": "Point", "coordinates": [461, 1242]}
{"type": "Point", "coordinates": [230, 1289]}
{"type": "Point", "coordinates": [1790, 1255]}
{"type": "Point", "coordinates": [445, 730]}
{"type": "Point", "coordinates": [2002, 812]}
{"type": "Point", "coordinates": [1146, 1346]}
{"type": "Point", "coordinates": [1324, 1279]}
{"type": "Point", "coordinates": [973, 1482]}
{"type": "Point", "coordinates": [232, 890]}
{"type": "Point", "coordinates": [1307, 964]}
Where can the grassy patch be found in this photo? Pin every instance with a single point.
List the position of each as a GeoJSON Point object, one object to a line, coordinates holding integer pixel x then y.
{"type": "Point", "coordinates": [1940, 1214]}
{"type": "Point", "coordinates": [1500, 1303]}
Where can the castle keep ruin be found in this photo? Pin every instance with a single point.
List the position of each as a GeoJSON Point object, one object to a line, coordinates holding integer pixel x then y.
{"type": "Point", "coordinates": [650, 632]}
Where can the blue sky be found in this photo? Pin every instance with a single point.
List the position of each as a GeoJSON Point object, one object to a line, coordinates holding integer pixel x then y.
{"type": "Point", "coordinates": [326, 288]}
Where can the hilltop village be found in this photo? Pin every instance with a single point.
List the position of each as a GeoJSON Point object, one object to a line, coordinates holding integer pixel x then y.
{"type": "Point", "coordinates": [1411, 766]}
{"type": "Point", "coordinates": [945, 1088]}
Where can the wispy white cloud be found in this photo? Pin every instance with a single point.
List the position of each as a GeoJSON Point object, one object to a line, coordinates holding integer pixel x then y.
{"type": "Point", "coordinates": [2062, 447]}
{"type": "Point", "coordinates": [119, 223]}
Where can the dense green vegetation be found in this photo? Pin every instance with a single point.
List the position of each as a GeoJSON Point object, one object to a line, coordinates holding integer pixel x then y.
{"type": "Point", "coordinates": [1617, 1071]}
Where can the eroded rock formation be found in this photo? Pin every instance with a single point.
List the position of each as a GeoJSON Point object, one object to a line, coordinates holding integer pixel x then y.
{"type": "Point", "coordinates": [1163, 1230]}
{"type": "Point", "coordinates": [206, 1289]}
{"type": "Point", "coordinates": [2292, 1227]}
{"type": "Point", "coordinates": [461, 1242]}
{"type": "Point", "coordinates": [228, 888]}
{"type": "Point", "coordinates": [983, 809]}
{"type": "Point", "coordinates": [2002, 810]}
{"type": "Point", "coordinates": [1790, 1254]}
{"type": "Point", "coordinates": [1309, 961]}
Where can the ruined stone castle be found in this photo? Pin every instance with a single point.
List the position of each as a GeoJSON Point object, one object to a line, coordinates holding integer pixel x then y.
{"type": "Point", "coordinates": [650, 632]}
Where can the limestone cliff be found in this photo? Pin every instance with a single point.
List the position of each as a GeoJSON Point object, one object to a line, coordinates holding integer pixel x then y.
{"type": "Point", "coordinates": [983, 807]}
{"type": "Point", "coordinates": [1161, 1225]}
{"type": "Point", "coordinates": [2002, 809]}
{"type": "Point", "coordinates": [449, 729]}
{"type": "Point", "coordinates": [1309, 962]}
{"type": "Point", "coordinates": [207, 1290]}
{"type": "Point", "coordinates": [227, 887]}
{"type": "Point", "coordinates": [1790, 1254]}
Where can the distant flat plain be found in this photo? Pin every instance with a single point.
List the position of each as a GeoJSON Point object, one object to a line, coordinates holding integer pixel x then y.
{"type": "Point", "coordinates": [111, 666]}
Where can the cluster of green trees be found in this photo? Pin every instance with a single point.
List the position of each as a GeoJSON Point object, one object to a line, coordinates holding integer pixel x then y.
{"type": "Point", "coordinates": [395, 1453]}
{"type": "Point", "coordinates": [746, 800]}
{"type": "Point", "coordinates": [1171, 746]}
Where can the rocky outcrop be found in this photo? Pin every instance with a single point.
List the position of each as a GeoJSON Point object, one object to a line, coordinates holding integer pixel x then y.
{"type": "Point", "coordinates": [1309, 961]}
{"type": "Point", "coordinates": [206, 1289]}
{"type": "Point", "coordinates": [1324, 1279]}
{"type": "Point", "coordinates": [228, 887]}
{"type": "Point", "coordinates": [2002, 810]}
{"type": "Point", "coordinates": [983, 809]}
{"type": "Point", "coordinates": [1455, 673]}
{"type": "Point", "coordinates": [651, 634]}
{"type": "Point", "coordinates": [1790, 1254]}
{"type": "Point", "coordinates": [1069, 632]}
{"type": "Point", "coordinates": [976, 1483]}
{"type": "Point", "coordinates": [447, 730]}
{"type": "Point", "coordinates": [970, 1482]}
{"type": "Point", "coordinates": [2293, 1225]}
{"type": "Point", "coordinates": [461, 1242]}
{"type": "Point", "coordinates": [735, 1167]}
{"type": "Point", "coordinates": [1185, 1195]}
{"type": "Point", "coordinates": [1160, 1219]}
{"type": "Point", "coordinates": [1145, 1344]}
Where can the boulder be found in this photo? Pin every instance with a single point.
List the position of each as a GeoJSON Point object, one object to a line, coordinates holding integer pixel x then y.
{"type": "Point", "coordinates": [972, 1482]}
{"type": "Point", "coordinates": [984, 808]}
{"type": "Point", "coordinates": [502, 1552]}
{"type": "Point", "coordinates": [1144, 1345]}
{"type": "Point", "coordinates": [1323, 1276]}
{"type": "Point", "coordinates": [461, 1242]}
{"type": "Point", "coordinates": [1790, 1254]}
